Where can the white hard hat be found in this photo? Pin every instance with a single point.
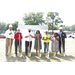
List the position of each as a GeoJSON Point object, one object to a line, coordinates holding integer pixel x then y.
{"type": "Point", "coordinates": [18, 28]}
{"type": "Point", "coordinates": [10, 25]}
{"type": "Point", "coordinates": [60, 28]}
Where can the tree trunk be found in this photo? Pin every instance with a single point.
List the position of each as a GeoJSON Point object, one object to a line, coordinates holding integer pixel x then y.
{"type": "Point", "coordinates": [52, 26]}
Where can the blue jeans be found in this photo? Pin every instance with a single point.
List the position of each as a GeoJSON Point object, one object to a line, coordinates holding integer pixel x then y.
{"type": "Point", "coordinates": [46, 46]}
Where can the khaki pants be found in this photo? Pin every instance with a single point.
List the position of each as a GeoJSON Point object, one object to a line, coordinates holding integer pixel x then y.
{"type": "Point", "coordinates": [9, 43]}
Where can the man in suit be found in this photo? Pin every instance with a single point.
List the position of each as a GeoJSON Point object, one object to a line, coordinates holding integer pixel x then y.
{"type": "Point", "coordinates": [62, 36]}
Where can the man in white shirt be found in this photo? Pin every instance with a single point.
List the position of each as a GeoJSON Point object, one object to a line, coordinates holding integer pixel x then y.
{"type": "Point", "coordinates": [9, 39]}
{"type": "Point", "coordinates": [28, 41]}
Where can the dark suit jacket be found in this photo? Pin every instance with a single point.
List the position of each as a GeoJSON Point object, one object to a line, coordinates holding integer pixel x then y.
{"type": "Point", "coordinates": [63, 36]}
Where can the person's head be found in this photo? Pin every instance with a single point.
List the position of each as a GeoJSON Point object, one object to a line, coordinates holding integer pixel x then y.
{"type": "Point", "coordinates": [18, 30]}
{"type": "Point", "coordinates": [55, 34]}
{"type": "Point", "coordinates": [29, 30]}
{"type": "Point", "coordinates": [37, 32]}
{"type": "Point", "coordinates": [46, 32]}
{"type": "Point", "coordinates": [60, 29]}
{"type": "Point", "coordinates": [10, 27]}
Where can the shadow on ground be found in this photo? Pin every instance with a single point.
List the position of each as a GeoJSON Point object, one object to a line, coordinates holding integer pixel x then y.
{"type": "Point", "coordinates": [35, 58]}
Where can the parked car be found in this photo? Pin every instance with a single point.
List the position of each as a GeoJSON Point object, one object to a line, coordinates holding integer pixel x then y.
{"type": "Point", "coordinates": [2, 36]}
{"type": "Point", "coordinates": [71, 35]}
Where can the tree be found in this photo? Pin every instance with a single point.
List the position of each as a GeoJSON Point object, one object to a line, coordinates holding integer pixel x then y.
{"type": "Point", "coordinates": [54, 19]}
{"type": "Point", "coordinates": [54, 27]}
{"type": "Point", "coordinates": [66, 28]}
{"type": "Point", "coordinates": [2, 27]}
{"type": "Point", "coordinates": [15, 25]}
{"type": "Point", "coordinates": [33, 18]}
{"type": "Point", "coordinates": [73, 27]}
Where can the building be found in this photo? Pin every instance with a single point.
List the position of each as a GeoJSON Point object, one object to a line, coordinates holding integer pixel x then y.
{"type": "Point", "coordinates": [24, 28]}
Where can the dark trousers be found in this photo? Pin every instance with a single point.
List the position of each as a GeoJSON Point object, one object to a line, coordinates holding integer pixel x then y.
{"type": "Point", "coordinates": [26, 46]}
{"type": "Point", "coordinates": [63, 43]}
{"type": "Point", "coordinates": [17, 45]}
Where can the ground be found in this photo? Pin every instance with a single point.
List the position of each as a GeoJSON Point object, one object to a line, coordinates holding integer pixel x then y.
{"type": "Point", "coordinates": [70, 53]}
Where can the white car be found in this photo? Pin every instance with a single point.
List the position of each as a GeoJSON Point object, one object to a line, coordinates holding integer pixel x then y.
{"type": "Point", "coordinates": [72, 35]}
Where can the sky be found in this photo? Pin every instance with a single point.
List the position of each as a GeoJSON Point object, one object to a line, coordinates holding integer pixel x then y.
{"type": "Point", "coordinates": [10, 17]}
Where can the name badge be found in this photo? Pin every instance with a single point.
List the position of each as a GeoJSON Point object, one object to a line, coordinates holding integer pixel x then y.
{"type": "Point", "coordinates": [63, 34]}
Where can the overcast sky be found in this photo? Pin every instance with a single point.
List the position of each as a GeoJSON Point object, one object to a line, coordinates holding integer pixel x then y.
{"type": "Point", "coordinates": [10, 17]}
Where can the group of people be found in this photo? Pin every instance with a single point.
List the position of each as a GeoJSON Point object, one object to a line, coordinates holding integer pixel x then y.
{"type": "Point", "coordinates": [57, 45]}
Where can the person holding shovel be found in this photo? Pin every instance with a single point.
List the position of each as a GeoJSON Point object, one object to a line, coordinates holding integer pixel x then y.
{"type": "Point", "coordinates": [55, 44]}
{"type": "Point", "coordinates": [62, 36]}
{"type": "Point", "coordinates": [18, 41]}
{"type": "Point", "coordinates": [46, 39]}
{"type": "Point", "coordinates": [9, 40]}
{"type": "Point", "coordinates": [28, 42]}
{"type": "Point", "coordinates": [37, 44]}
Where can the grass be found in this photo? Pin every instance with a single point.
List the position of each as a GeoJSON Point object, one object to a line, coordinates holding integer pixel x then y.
{"type": "Point", "coordinates": [70, 54]}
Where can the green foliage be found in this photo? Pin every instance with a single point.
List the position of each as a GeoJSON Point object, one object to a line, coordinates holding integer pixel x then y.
{"type": "Point", "coordinates": [2, 27]}
{"type": "Point", "coordinates": [33, 18]}
{"type": "Point", "coordinates": [72, 28]}
{"type": "Point", "coordinates": [66, 28]}
{"type": "Point", "coordinates": [54, 18]}
{"type": "Point", "coordinates": [15, 25]}
{"type": "Point", "coordinates": [69, 28]}
{"type": "Point", "coordinates": [54, 27]}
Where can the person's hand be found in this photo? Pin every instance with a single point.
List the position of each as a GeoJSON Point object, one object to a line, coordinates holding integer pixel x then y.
{"type": "Point", "coordinates": [61, 37]}
{"type": "Point", "coordinates": [37, 35]}
{"type": "Point", "coordinates": [46, 38]}
{"type": "Point", "coordinates": [30, 35]}
{"type": "Point", "coordinates": [19, 38]}
{"type": "Point", "coordinates": [38, 39]}
{"type": "Point", "coordinates": [9, 33]}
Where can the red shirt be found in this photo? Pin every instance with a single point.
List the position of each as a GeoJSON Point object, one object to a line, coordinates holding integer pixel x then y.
{"type": "Point", "coordinates": [16, 36]}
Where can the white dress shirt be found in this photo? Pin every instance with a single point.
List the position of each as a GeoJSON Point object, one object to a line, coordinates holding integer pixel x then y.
{"type": "Point", "coordinates": [9, 36]}
{"type": "Point", "coordinates": [29, 38]}
{"type": "Point", "coordinates": [60, 33]}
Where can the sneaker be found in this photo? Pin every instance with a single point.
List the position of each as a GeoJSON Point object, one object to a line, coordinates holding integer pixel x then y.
{"type": "Point", "coordinates": [6, 55]}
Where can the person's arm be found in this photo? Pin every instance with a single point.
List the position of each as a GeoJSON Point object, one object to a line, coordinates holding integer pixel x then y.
{"type": "Point", "coordinates": [57, 39]}
{"type": "Point", "coordinates": [26, 36]}
{"type": "Point", "coordinates": [32, 36]}
{"type": "Point", "coordinates": [65, 35]}
{"type": "Point", "coordinates": [40, 37]}
{"type": "Point", "coordinates": [51, 39]}
{"type": "Point", "coordinates": [35, 36]}
{"type": "Point", "coordinates": [21, 35]}
{"type": "Point", "coordinates": [15, 37]}
{"type": "Point", "coordinates": [13, 34]}
{"type": "Point", "coordinates": [44, 39]}
{"type": "Point", "coordinates": [7, 33]}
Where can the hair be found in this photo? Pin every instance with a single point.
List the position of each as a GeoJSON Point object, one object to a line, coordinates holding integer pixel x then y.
{"type": "Point", "coordinates": [39, 31]}
{"type": "Point", "coordinates": [56, 33]}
